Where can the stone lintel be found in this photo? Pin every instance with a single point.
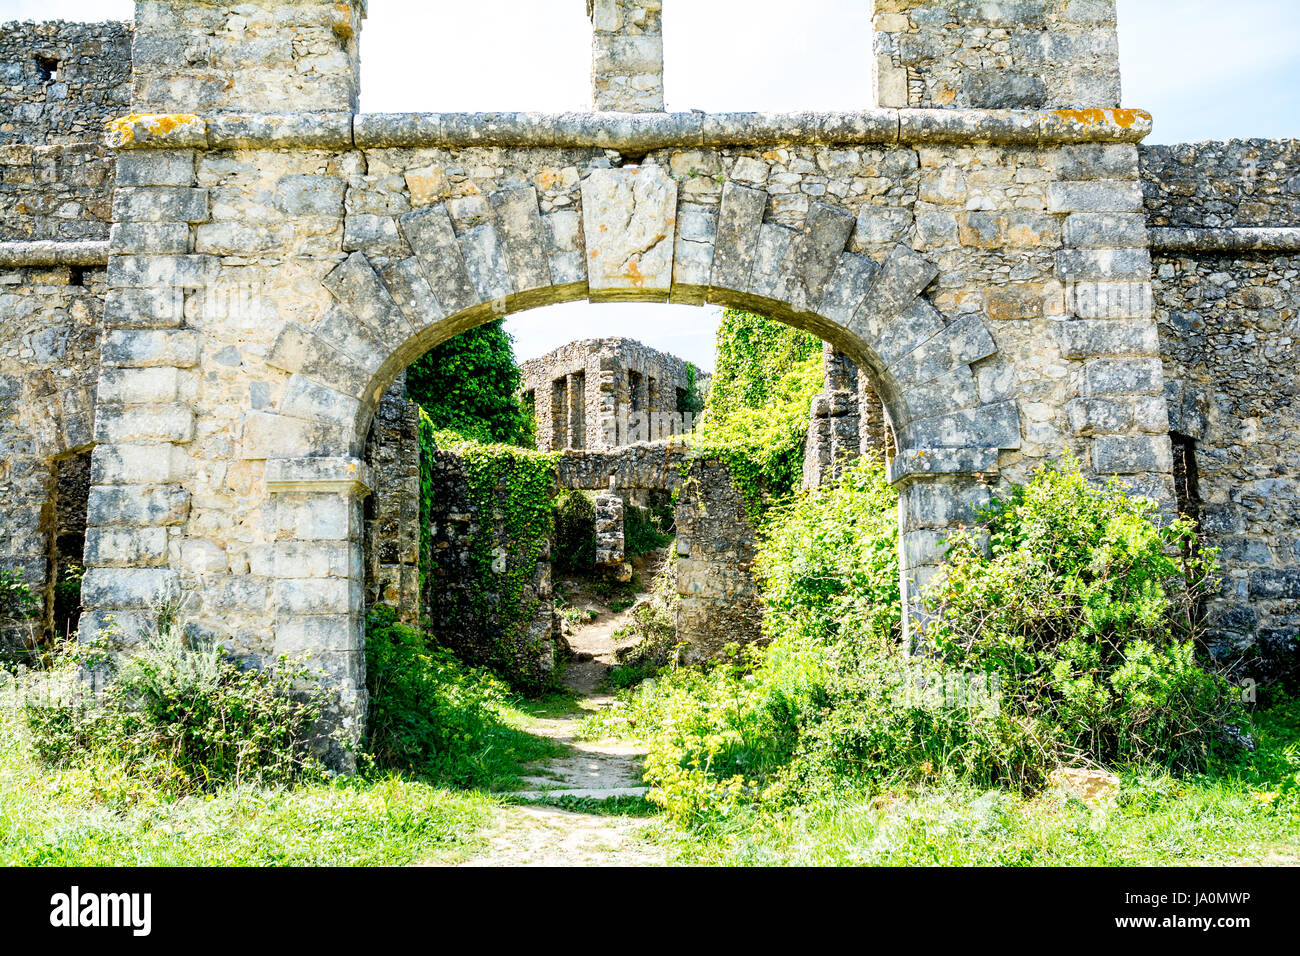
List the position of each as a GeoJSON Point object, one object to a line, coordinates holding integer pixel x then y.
{"type": "Point", "coordinates": [53, 252]}
{"type": "Point", "coordinates": [288, 476]}
{"type": "Point", "coordinates": [626, 131]}
{"type": "Point", "coordinates": [1228, 239]}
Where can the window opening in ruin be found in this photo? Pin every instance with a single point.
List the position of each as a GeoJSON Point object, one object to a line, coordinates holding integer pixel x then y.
{"type": "Point", "coordinates": [634, 391]}
{"type": "Point", "coordinates": [1187, 490]}
{"type": "Point", "coordinates": [67, 544]}
{"type": "Point", "coordinates": [76, 276]}
{"type": "Point", "coordinates": [47, 68]}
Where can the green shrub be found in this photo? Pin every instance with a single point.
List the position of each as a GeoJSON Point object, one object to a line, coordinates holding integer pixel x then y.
{"type": "Point", "coordinates": [1084, 605]}
{"type": "Point", "coordinates": [756, 417]}
{"type": "Point", "coordinates": [643, 531]}
{"type": "Point", "coordinates": [1071, 639]}
{"type": "Point", "coordinates": [178, 704]}
{"type": "Point", "coordinates": [16, 599]}
{"type": "Point", "coordinates": [574, 548]}
{"type": "Point", "coordinates": [432, 714]}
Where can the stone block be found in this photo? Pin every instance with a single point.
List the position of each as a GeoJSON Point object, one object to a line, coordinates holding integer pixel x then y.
{"type": "Point", "coordinates": [433, 240]}
{"type": "Point", "coordinates": [146, 348]}
{"type": "Point", "coordinates": [1100, 195]}
{"type": "Point", "coordinates": [127, 424]}
{"type": "Point", "coordinates": [1130, 455]}
{"type": "Point", "coordinates": [129, 588]}
{"type": "Point", "coordinates": [137, 505]}
{"type": "Point", "coordinates": [630, 221]}
{"type": "Point", "coordinates": [160, 204]}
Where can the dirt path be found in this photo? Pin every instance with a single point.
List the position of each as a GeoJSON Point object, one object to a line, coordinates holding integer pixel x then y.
{"type": "Point", "coordinates": [539, 834]}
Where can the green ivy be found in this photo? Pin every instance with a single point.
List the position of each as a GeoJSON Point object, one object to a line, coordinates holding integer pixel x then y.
{"type": "Point", "coordinates": [510, 488]}
{"type": "Point", "coordinates": [756, 418]}
{"type": "Point", "coordinates": [470, 385]}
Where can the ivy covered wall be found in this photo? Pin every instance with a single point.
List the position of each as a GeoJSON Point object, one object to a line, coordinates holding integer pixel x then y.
{"type": "Point", "coordinates": [486, 560]}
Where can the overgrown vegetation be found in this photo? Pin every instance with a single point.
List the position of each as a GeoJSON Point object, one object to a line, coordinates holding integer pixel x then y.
{"type": "Point", "coordinates": [469, 385]}
{"type": "Point", "coordinates": [574, 547]}
{"type": "Point", "coordinates": [756, 418]}
{"type": "Point", "coordinates": [433, 715]}
{"type": "Point", "coordinates": [177, 707]}
{"type": "Point", "coordinates": [510, 491]}
{"type": "Point", "coordinates": [834, 706]}
{"type": "Point", "coordinates": [644, 531]}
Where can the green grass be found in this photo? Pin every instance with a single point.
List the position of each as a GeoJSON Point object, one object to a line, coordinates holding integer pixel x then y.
{"type": "Point", "coordinates": [1245, 811]}
{"type": "Point", "coordinates": [100, 812]}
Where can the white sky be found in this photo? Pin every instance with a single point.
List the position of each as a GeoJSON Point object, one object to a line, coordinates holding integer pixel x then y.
{"type": "Point", "coordinates": [1206, 69]}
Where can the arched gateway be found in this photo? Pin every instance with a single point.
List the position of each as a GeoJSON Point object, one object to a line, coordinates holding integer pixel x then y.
{"type": "Point", "coordinates": [277, 259]}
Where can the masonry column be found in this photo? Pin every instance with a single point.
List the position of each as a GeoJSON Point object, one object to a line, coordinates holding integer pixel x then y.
{"type": "Point", "coordinates": [627, 57]}
{"type": "Point", "coordinates": [938, 490]}
{"type": "Point", "coordinates": [1026, 54]}
{"type": "Point", "coordinates": [316, 520]}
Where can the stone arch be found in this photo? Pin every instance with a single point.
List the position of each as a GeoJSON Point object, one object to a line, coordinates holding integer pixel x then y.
{"type": "Point", "coordinates": [630, 242]}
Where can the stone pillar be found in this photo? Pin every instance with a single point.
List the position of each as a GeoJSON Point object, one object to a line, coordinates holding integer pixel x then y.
{"type": "Point", "coordinates": [627, 58]}
{"type": "Point", "coordinates": [1008, 54]}
{"type": "Point", "coordinates": [611, 541]}
{"type": "Point", "coordinates": [136, 539]}
{"type": "Point", "coordinates": [930, 506]}
{"type": "Point", "coordinates": [252, 56]}
{"type": "Point", "coordinates": [393, 520]}
{"type": "Point", "coordinates": [716, 549]}
{"type": "Point", "coordinates": [315, 516]}
{"type": "Point", "coordinates": [834, 441]}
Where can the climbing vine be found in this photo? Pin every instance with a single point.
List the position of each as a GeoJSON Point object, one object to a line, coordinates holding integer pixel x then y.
{"type": "Point", "coordinates": [510, 491]}
{"type": "Point", "coordinates": [756, 417]}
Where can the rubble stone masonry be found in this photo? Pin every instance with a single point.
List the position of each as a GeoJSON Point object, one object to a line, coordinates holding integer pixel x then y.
{"type": "Point", "coordinates": [979, 245]}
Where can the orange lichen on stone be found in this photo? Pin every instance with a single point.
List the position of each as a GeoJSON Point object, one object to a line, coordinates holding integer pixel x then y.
{"type": "Point", "coordinates": [1125, 119]}
{"type": "Point", "coordinates": [123, 130]}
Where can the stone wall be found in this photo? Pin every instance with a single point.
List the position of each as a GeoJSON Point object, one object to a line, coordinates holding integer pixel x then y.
{"type": "Point", "coordinates": [1229, 327]}
{"type": "Point", "coordinates": [847, 421]}
{"type": "Point", "coordinates": [1004, 54]}
{"type": "Point", "coordinates": [463, 599]}
{"type": "Point", "coordinates": [627, 55]}
{"type": "Point", "coordinates": [601, 394]}
{"type": "Point", "coordinates": [49, 368]}
{"type": "Point", "coordinates": [62, 192]}
{"type": "Point", "coordinates": [639, 467]}
{"type": "Point", "coordinates": [277, 260]}
{"type": "Point", "coordinates": [256, 56]}
{"type": "Point", "coordinates": [62, 82]}
{"type": "Point", "coordinates": [716, 548]}
{"type": "Point", "coordinates": [392, 544]}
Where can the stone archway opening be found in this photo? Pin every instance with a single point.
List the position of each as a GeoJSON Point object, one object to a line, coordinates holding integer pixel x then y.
{"type": "Point", "coordinates": [620, 430]}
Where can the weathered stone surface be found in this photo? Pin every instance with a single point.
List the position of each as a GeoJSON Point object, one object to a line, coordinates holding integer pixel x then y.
{"type": "Point", "coordinates": [630, 220]}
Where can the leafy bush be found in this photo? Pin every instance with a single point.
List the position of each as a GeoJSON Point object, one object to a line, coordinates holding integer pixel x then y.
{"type": "Point", "coordinates": [469, 385]}
{"type": "Point", "coordinates": [574, 548]}
{"type": "Point", "coordinates": [756, 418]}
{"type": "Point", "coordinates": [1071, 640]}
{"type": "Point", "coordinates": [654, 620]}
{"type": "Point", "coordinates": [643, 531]}
{"type": "Point", "coordinates": [435, 715]}
{"type": "Point", "coordinates": [16, 599]}
{"type": "Point", "coordinates": [180, 705]}
{"type": "Point", "coordinates": [1084, 604]}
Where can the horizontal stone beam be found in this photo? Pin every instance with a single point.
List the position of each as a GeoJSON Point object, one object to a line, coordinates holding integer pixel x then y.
{"type": "Point", "coordinates": [1234, 239]}
{"type": "Point", "coordinates": [51, 252]}
{"type": "Point", "coordinates": [631, 132]}
{"type": "Point", "coordinates": [286, 476]}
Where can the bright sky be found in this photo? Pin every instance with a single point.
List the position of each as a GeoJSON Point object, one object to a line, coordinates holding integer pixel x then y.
{"type": "Point", "coordinates": [1206, 69]}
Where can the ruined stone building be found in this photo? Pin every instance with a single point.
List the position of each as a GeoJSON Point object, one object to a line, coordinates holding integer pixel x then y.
{"type": "Point", "coordinates": [213, 267]}
{"type": "Point", "coordinates": [603, 394]}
